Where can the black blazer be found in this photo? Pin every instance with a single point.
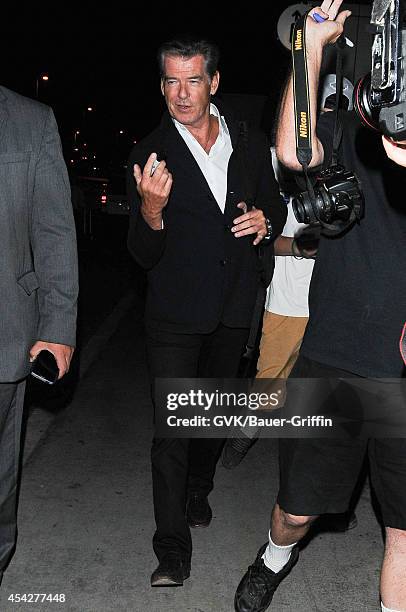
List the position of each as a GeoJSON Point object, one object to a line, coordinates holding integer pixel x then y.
{"type": "Point", "coordinates": [199, 274]}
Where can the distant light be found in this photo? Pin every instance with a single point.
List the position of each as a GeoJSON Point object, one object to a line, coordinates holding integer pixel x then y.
{"type": "Point", "coordinates": [121, 131]}
{"type": "Point", "coordinates": [85, 144]}
{"type": "Point", "coordinates": [72, 161]}
{"type": "Point", "coordinates": [134, 141]}
{"type": "Point", "coordinates": [90, 108]}
{"type": "Point", "coordinates": [77, 132]}
{"type": "Point", "coordinates": [76, 149]}
{"type": "Point", "coordinates": [104, 199]}
{"type": "Point", "coordinates": [45, 77]}
{"type": "Point", "coordinates": [94, 168]}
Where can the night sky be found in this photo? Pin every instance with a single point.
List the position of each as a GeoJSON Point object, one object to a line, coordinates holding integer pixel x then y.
{"type": "Point", "coordinates": [103, 56]}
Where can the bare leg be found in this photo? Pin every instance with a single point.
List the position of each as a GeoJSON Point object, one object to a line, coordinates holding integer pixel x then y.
{"type": "Point", "coordinates": [287, 528]}
{"type": "Point", "coordinates": [393, 583]}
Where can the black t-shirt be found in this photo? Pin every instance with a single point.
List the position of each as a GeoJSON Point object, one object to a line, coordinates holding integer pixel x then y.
{"type": "Point", "coordinates": [358, 290]}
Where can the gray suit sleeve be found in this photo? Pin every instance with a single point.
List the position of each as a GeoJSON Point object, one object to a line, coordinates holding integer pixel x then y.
{"type": "Point", "coordinates": [53, 241]}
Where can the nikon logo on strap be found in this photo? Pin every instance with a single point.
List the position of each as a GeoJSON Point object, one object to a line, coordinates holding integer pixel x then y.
{"type": "Point", "coordinates": [303, 127]}
{"type": "Point", "coordinates": [299, 40]}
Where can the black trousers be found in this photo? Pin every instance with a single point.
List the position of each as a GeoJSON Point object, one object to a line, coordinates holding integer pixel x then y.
{"type": "Point", "coordinates": [181, 466]}
{"type": "Point", "coordinates": [11, 411]}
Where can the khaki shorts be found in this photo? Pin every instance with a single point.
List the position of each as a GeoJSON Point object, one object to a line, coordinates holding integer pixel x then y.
{"type": "Point", "coordinates": [280, 343]}
{"type": "Point", "coordinates": [279, 348]}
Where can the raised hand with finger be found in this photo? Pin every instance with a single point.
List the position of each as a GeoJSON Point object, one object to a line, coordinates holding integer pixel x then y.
{"type": "Point", "coordinates": [325, 23]}
{"type": "Point", "coordinates": [154, 184]}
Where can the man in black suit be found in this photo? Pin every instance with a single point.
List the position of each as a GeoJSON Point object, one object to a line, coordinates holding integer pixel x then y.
{"type": "Point", "coordinates": [192, 230]}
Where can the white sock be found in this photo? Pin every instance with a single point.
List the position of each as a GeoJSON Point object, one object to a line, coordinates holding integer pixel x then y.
{"type": "Point", "coordinates": [276, 557]}
{"type": "Point", "coordinates": [384, 609]}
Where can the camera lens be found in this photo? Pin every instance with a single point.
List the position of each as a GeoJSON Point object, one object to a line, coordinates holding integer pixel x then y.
{"type": "Point", "coordinates": [299, 209]}
{"type": "Point", "coordinates": [303, 208]}
{"type": "Point", "coordinates": [362, 104]}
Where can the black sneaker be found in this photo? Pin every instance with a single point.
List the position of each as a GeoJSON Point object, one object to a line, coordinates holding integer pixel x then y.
{"type": "Point", "coordinates": [171, 571]}
{"type": "Point", "coordinates": [256, 589]}
{"type": "Point", "coordinates": [235, 450]}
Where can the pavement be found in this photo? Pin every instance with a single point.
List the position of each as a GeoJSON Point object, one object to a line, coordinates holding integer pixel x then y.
{"type": "Point", "coordinates": [86, 515]}
{"type": "Point", "coordinates": [108, 279]}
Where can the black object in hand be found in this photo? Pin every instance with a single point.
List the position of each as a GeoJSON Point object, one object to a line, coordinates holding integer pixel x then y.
{"type": "Point", "coordinates": [45, 368]}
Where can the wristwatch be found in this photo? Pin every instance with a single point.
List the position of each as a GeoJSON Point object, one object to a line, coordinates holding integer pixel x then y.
{"type": "Point", "coordinates": [268, 234]}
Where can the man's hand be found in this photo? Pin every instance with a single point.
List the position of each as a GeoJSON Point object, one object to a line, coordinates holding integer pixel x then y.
{"type": "Point", "coordinates": [288, 246]}
{"type": "Point", "coordinates": [307, 251]}
{"type": "Point", "coordinates": [154, 190]}
{"type": "Point", "coordinates": [396, 151]}
{"type": "Point", "coordinates": [252, 222]}
{"type": "Point", "coordinates": [327, 32]}
{"type": "Point", "coordinates": [61, 352]}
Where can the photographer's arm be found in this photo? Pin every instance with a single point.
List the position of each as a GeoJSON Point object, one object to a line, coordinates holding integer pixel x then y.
{"type": "Point", "coordinates": [396, 151]}
{"type": "Point", "coordinates": [283, 245]}
{"type": "Point", "coordinates": [317, 36]}
{"type": "Point", "coordinates": [287, 246]}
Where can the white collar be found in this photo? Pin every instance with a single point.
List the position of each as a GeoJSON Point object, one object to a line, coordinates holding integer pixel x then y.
{"type": "Point", "coordinates": [223, 129]}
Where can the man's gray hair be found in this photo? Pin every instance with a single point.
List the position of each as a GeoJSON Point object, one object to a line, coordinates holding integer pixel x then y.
{"type": "Point", "coordinates": [187, 48]}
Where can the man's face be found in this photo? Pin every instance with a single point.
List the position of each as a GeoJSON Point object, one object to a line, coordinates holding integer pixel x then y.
{"type": "Point", "coordinates": [187, 88]}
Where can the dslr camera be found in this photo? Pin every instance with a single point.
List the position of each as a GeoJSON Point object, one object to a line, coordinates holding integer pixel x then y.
{"type": "Point", "coordinates": [336, 203]}
{"type": "Point", "coordinates": [380, 96]}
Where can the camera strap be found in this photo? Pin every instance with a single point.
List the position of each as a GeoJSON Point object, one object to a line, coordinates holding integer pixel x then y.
{"type": "Point", "coordinates": [338, 130]}
{"type": "Point", "coordinates": [265, 254]}
{"type": "Point", "coordinates": [303, 126]}
{"type": "Point", "coordinates": [301, 98]}
{"type": "Point", "coordinates": [301, 93]}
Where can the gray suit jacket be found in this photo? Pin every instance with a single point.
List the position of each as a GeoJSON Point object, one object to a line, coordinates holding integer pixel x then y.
{"type": "Point", "coordinates": [38, 256]}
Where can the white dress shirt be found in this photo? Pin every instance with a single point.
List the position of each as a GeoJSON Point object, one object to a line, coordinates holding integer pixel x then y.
{"type": "Point", "coordinates": [215, 163]}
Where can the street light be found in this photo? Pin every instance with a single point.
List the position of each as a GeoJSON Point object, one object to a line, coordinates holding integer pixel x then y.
{"type": "Point", "coordinates": [41, 77]}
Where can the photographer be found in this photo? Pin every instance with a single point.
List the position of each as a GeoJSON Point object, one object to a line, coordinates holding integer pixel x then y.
{"type": "Point", "coordinates": [357, 304]}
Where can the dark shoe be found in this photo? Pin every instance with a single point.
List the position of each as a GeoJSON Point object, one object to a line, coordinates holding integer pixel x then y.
{"type": "Point", "coordinates": [235, 450]}
{"type": "Point", "coordinates": [171, 571]}
{"type": "Point", "coordinates": [256, 589]}
{"type": "Point", "coordinates": [198, 511]}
